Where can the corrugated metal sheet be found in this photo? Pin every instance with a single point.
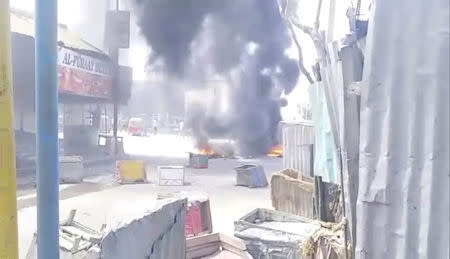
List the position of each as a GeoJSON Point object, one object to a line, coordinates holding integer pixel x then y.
{"type": "Point", "coordinates": [403, 199]}
{"type": "Point", "coordinates": [351, 60]}
{"type": "Point", "coordinates": [298, 146]}
{"type": "Point", "coordinates": [344, 67]}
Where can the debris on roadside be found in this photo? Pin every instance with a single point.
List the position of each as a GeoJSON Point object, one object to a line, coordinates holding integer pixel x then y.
{"type": "Point", "coordinates": [171, 175]}
{"type": "Point", "coordinates": [198, 161]}
{"type": "Point", "coordinates": [75, 240]}
{"type": "Point", "coordinates": [252, 176]}
{"type": "Point", "coordinates": [268, 233]}
{"type": "Point", "coordinates": [274, 234]}
{"type": "Point", "coordinates": [158, 233]}
{"type": "Point", "coordinates": [275, 151]}
{"type": "Point", "coordinates": [292, 193]}
{"type": "Point", "coordinates": [71, 169]}
{"type": "Point", "coordinates": [130, 171]}
{"type": "Point", "coordinates": [221, 148]}
{"type": "Point", "coordinates": [327, 242]}
{"type": "Point", "coordinates": [198, 214]}
{"type": "Point", "coordinates": [216, 246]}
{"type": "Point", "coordinates": [198, 218]}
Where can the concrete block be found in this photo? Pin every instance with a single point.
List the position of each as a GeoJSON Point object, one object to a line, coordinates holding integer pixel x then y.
{"type": "Point", "coordinates": [130, 171]}
{"type": "Point", "coordinates": [159, 234]}
{"type": "Point", "coordinates": [198, 161]}
{"type": "Point", "coordinates": [251, 175]}
{"type": "Point", "coordinates": [154, 235]}
{"type": "Point", "coordinates": [71, 169]}
{"type": "Point", "coordinates": [171, 175]}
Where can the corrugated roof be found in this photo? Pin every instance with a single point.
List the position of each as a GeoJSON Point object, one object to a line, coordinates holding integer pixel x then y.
{"type": "Point", "coordinates": [24, 24]}
{"type": "Point", "coordinates": [403, 203]}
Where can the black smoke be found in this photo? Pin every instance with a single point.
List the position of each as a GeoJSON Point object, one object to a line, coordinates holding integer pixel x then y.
{"type": "Point", "coordinates": [242, 40]}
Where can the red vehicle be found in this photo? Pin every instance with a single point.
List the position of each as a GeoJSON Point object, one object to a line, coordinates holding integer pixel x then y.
{"type": "Point", "coordinates": [136, 127]}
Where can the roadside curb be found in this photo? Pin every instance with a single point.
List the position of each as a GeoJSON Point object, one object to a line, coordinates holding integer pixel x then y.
{"type": "Point", "coordinates": [100, 161]}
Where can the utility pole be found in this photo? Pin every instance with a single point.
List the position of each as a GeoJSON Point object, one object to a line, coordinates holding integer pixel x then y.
{"type": "Point", "coordinates": [46, 129]}
{"type": "Point", "coordinates": [114, 53]}
{"type": "Point", "coordinates": [8, 199]}
{"type": "Point", "coordinates": [117, 36]}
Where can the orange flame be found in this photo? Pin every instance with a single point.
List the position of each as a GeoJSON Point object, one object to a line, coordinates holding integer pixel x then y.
{"type": "Point", "coordinates": [207, 151]}
{"type": "Point", "coordinates": [275, 151]}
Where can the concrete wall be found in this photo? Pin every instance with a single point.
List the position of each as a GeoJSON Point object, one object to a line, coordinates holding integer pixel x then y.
{"type": "Point", "coordinates": [159, 234]}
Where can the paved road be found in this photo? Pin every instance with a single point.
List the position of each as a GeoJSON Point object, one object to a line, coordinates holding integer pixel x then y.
{"type": "Point", "coordinates": [228, 202]}
{"type": "Point", "coordinates": [96, 178]}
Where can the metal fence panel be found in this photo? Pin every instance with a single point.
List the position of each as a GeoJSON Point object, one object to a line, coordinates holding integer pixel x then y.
{"type": "Point", "coordinates": [298, 146]}
{"type": "Point", "coordinates": [403, 199]}
{"type": "Point", "coordinates": [351, 60]}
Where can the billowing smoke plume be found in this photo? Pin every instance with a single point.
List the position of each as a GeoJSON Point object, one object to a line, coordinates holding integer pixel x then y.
{"type": "Point", "coordinates": [243, 41]}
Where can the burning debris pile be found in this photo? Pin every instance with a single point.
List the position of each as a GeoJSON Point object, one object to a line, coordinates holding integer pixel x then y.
{"type": "Point", "coordinates": [244, 42]}
{"type": "Point", "coordinates": [206, 150]}
{"type": "Point", "coordinates": [276, 151]}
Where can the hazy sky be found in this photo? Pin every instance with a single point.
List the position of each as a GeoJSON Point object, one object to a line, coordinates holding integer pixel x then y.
{"type": "Point", "coordinates": [68, 10]}
{"type": "Point", "coordinates": [78, 13]}
{"type": "Point", "coordinates": [86, 18]}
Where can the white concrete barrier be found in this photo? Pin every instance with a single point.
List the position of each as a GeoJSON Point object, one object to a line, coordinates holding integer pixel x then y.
{"type": "Point", "coordinates": [160, 234]}
{"type": "Point", "coordinates": [157, 234]}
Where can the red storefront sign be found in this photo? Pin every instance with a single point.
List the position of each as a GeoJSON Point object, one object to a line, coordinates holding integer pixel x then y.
{"type": "Point", "coordinates": [83, 75]}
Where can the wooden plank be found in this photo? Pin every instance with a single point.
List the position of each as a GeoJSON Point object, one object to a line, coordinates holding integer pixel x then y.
{"type": "Point", "coordinates": [201, 246]}
{"type": "Point", "coordinates": [208, 244]}
{"type": "Point", "coordinates": [233, 249]}
{"type": "Point", "coordinates": [200, 240]}
{"type": "Point", "coordinates": [292, 195]}
{"type": "Point", "coordinates": [206, 216]}
{"type": "Point", "coordinates": [231, 241]}
{"type": "Point", "coordinates": [203, 250]}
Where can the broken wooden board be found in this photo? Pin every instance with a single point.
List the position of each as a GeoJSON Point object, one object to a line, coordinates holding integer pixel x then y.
{"type": "Point", "coordinates": [292, 193]}
{"type": "Point", "coordinates": [268, 233]}
{"type": "Point", "coordinates": [216, 246]}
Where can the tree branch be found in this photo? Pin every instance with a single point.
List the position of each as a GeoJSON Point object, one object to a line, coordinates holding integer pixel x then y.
{"type": "Point", "coordinates": [300, 54]}
{"type": "Point", "coordinates": [317, 22]}
{"type": "Point", "coordinates": [306, 29]}
{"type": "Point", "coordinates": [286, 8]}
{"type": "Point", "coordinates": [315, 37]}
